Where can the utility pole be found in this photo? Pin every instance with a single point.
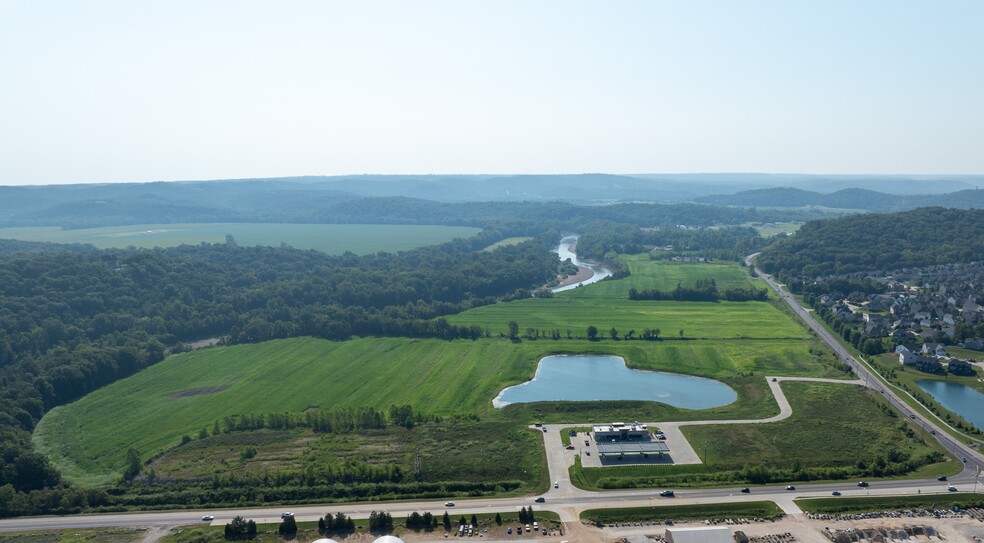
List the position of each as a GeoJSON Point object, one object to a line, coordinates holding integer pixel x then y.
{"type": "Point", "coordinates": [416, 464]}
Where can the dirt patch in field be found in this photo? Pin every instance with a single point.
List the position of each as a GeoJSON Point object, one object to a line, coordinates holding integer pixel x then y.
{"type": "Point", "coordinates": [200, 391]}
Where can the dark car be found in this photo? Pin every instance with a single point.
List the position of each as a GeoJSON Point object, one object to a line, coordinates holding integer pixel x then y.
{"type": "Point", "coordinates": [836, 493]}
{"type": "Point", "coordinates": [509, 530]}
{"type": "Point", "coordinates": [790, 487]}
{"type": "Point", "coordinates": [666, 493]}
{"type": "Point", "coordinates": [863, 483]}
{"type": "Point", "coordinates": [746, 490]}
{"type": "Point", "coordinates": [541, 499]}
{"type": "Point", "coordinates": [941, 478]}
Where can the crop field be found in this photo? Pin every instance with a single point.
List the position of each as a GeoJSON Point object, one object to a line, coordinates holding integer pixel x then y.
{"type": "Point", "coordinates": [697, 320]}
{"type": "Point", "coordinates": [328, 238]}
{"type": "Point", "coordinates": [151, 410]}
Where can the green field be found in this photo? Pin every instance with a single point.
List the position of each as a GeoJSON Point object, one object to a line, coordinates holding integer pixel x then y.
{"type": "Point", "coordinates": [329, 238]}
{"type": "Point", "coordinates": [151, 410]}
{"type": "Point", "coordinates": [606, 305]}
{"type": "Point", "coordinates": [660, 513]}
{"type": "Point", "coordinates": [506, 242]}
{"type": "Point", "coordinates": [77, 535]}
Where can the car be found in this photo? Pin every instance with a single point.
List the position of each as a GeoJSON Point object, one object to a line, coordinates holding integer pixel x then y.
{"type": "Point", "coordinates": [746, 490]}
{"type": "Point", "coordinates": [951, 488]}
{"type": "Point", "coordinates": [774, 380]}
{"type": "Point", "coordinates": [448, 504]}
{"type": "Point", "coordinates": [933, 432]}
{"type": "Point", "coordinates": [666, 493]}
{"type": "Point", "coordinates": [541, 499]}
{"type": "Point", "coordinates": [941, 478]}
{"type": "Point", "coordinates": [587, 453]}
{"type": "Point", "coordinates": [570, 447]}
{"type": "Point", "coordinates": [835, 493]}
{"type": "Point", "coordinates": [911, 416]}
{"type": "Point", "coordinates": [509, 530]}
{"type": "Point", "coordinates": [790, 487]}
{"type": "Point", "coordinates": [208, 518]}
{"type": "Point", "coordinates": [527, 527]}
{"type": "Point", "coordinates": [556, 484]}
{"type": "Point", "coordinates": [862, 483]}
{"type": "Point", "coordinates": [545, 528]}
{"type": "Point", "coordinates": [286, 514]}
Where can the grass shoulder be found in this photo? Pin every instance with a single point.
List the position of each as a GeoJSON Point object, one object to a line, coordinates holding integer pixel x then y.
{"type": "Point", "coordinates": [663, 513]}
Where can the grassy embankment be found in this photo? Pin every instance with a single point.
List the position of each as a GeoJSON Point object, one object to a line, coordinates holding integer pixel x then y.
{"type": "Point", "coordinates": [150, 411]}
{"type": "Point", "coordinates": [77, 535]}
{"type": "Point", "coordinates": [660, 513]}
{"type": "Point", "coordinates": [328, 238]}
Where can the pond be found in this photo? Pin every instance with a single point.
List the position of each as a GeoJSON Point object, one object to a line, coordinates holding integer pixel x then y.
{"type": "Point", "coordinates": [961, 399]}
{"type": "Point", "coordinates": [603, 377]}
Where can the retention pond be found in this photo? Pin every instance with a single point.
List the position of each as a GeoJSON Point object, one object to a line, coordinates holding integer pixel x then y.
{"type": "Point", "coordinates": [961, 399]}
{"type": "Point", "coordinates": [603, 377]}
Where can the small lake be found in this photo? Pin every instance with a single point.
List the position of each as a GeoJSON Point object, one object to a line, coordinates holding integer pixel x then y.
{"type": "Point", "coordinates": [603, 377]}
{"type": "Point", "coordinates": [961, 399]}
{"type": "Point", "coordinates": [597, 272]}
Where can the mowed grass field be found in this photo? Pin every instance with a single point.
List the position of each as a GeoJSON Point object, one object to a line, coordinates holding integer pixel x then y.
{"type": "Point", "coordinates": [151, 410]}
{"type": "Point", "coordinates": [328, 238]}
{"type": "Point", "coordinates": [606, 305]}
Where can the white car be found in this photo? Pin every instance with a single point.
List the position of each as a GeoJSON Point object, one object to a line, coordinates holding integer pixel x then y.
{"type": "Point", "coordinates": [556, 484]}
{"type": "Point", "coordinates": [286, 514]}
{"type": "Point", "coordinates": [208, 518]}
{"type": "Point", "coordinates": [448, 504]}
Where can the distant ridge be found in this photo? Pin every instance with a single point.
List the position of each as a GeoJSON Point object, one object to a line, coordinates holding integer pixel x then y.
{"type": "Point", "coordinates": [851, 199]}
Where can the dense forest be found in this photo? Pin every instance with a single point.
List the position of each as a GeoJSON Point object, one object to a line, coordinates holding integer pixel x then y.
{"type": "Point", "coordinates": [922, 237]}
{"type": "Point", "coordinates": [72, 321]}
{"type": "Point", "coordinates": [601, 238]}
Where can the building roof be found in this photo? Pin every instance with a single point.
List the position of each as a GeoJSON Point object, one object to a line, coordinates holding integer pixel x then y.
{"type": "Point", "coordinates": [702, 534]}
{"type": "Point", "coordinates": [631, 447]}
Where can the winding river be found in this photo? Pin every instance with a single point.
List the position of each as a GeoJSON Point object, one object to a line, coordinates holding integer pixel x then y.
{"type": "Point", "coordinates": [598, 272]}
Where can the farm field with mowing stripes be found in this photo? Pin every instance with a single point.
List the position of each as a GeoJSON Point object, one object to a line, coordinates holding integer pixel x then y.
{"type": "Point", "coordinates": [327, 238]}
{"type": "Point", "coordinates": [151, 410]}
{"type": "Point", "coordinates": [647, 274]}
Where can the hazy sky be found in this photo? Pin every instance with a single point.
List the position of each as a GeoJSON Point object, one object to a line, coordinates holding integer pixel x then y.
{"type": "Point", "coordinates": [94, 91]}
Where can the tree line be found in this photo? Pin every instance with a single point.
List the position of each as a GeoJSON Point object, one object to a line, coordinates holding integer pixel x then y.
{"type": "Point", "coordinates": [704, 290]}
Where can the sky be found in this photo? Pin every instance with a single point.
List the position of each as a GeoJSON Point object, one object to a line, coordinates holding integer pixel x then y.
{"type": "Point", "coordinates": [113, 91]}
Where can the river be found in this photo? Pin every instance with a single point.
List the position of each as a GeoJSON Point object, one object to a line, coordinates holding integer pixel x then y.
{"type": "Point", "coordinates": [598, 272]}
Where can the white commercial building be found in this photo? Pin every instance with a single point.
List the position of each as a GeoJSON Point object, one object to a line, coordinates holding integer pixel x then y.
{"type": "Point", "coordinates": [702, 534]}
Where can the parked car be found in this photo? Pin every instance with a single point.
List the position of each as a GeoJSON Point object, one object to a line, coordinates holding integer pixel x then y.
{"type": "Point", "coordinates": [509, 530]}
{"type": "Point", "coordinates": [790, 487]}
{"type": "Point", "coordinates": [666, 493]}
{"type": "Point", "coordinates": [746, 490]}
{"type": "Point", "coordinates": [541, 499]}
{"type": "Point", "coordinates": [527, 527]}
{"type": "Point", "coordinates": [544, 529]}
{"type": "Point", "coordinates": [448, 504]}
{"type": "Point", "coordinates": [570, 447]}
{"type": "Point", "coordinates": [556, 484]}
{"type": "Point", "coordinates": [836, 493]}
{"type": "Point", "coordinates": [209, 518]}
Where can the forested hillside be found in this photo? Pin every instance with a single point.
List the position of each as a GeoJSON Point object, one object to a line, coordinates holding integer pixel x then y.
{"type": "Point", "coordinates": [921, 237]}
{"type": "Point", "coordinates": [852, 198]}
{"type": "Point", "coordinates": [295, 202]}
{"type": "Point", "coordinates": [73, 321]}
